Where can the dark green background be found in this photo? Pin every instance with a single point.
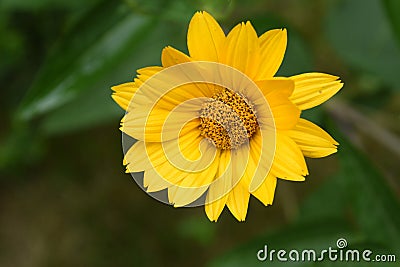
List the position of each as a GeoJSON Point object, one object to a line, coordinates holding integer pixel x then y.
{"type": "Point", "coordinates": [64, 197]}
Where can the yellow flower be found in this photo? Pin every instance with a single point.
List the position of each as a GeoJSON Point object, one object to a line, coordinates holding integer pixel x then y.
{"type": "Point", "coordinates": [218, 123]}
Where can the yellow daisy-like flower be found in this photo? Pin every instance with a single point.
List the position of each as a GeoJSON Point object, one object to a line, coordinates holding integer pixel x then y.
{"type": "Point", "coordinates": [218, 124]}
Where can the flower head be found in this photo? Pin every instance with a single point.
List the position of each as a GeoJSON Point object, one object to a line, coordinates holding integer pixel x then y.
{"type": "Point", "coordinates": [217, 125]}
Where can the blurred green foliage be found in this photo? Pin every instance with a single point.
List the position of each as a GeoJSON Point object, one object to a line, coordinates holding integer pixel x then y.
{"type": "Point", "coordinates": [64, 198]}
{"type": "Point", "coordinates": [366, 44]}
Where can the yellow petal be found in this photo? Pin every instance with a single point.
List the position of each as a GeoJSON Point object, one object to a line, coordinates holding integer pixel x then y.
{"type": "Point", "coordinates": [238, 201]}
{"type": "Point", "coordinates": [276, 84]}
{"type": "Point", "coordinates": [182, 196]}
{"type": "Point", "coordinates": [166, 95]}
{"type": "Point", "coordinates": [144, 156]}
{"type": "Point", "coordinates": [159, 173]}
{"type": "Point", "coordinates": [163, 121]}
{"type": "Point", "coordinates": [184, 188]}
{"type": "Point", "coordinates": [206, 176]}
{"type": "Point", "coordinates": [151, 127]}
{"type": "Point", "coordinates": [154, 182]}
{"type": "Point", "coordinates": [136, 158]}
{"type": "Point", "coordinates": [217, 195]}
{"type": "Point", "coordinates": [265, 193]}
{"type": "Point", "coordinates": [147, 72]}
{"type": "Point", "coordinates": [205, 38]}
{"type": "Point", "coordinates": [191, 171]}
{"type": "Point", "coordinates": [262, 146]}
{"type": "Point", "coordinates": [273, 46]}
{"type": "Point", "coordinates": [257, 161]}
{"type": "Point", "coordinates": [214, 209]}
{"type": "Point", "coordinates": [246, 159]}
{"type": "Point", "coordinates": [289, 163]}
{"type": "Point", "coordinates": [243, 50]}
{"type": "Point", "coordinates": [194, 185]}
{"type": "Point", "coordinates": [313, 141]}
{"type": "Point", "coordinates": [312, 89]}
{"type": "Point", "coordinates": [170, 56]}
{"type": "Point", "coordinates": [285, 113]}
{"type": "Point", "coordinates": [123, 94]}
{"type": "Point", "coordinates": [144, 74]}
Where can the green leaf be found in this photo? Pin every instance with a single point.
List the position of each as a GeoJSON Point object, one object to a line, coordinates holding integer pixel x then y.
{"type": "Point", "coordinates": [375, 206]}
{"type": "Point", "coordinates": [361, 35]}
{"type": "Point", "coordinates": [94, 105]}
{"type": "Point", "coordinates": [91, 108]}
{"type": "Point", "coordinates": [393, 11]}
{"type": "Point", "coordinates": [93, 48]}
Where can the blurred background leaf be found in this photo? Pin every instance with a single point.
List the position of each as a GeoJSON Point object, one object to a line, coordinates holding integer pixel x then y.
{"type": "Point", "coordinates": [393, 9]}
{"type": "Point", "coordinates": [89, 52]}
{"type": "Point", "coordinates": [362, 36]}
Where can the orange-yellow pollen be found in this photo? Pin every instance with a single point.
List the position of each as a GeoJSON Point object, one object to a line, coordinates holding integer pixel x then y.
{"type": "Point", "coordinates": [228, 119]}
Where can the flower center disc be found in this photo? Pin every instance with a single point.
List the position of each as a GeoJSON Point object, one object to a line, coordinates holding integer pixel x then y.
{"type": "Point", "coordinates": [228, 119]}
